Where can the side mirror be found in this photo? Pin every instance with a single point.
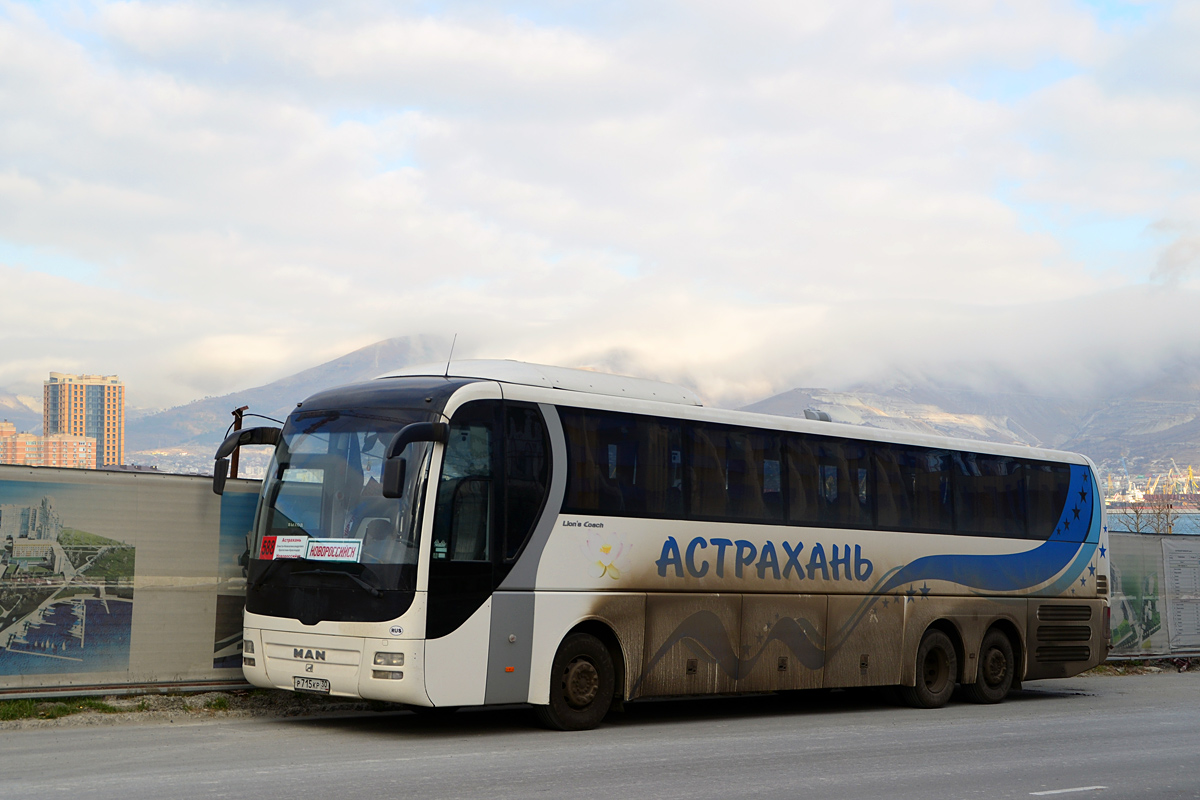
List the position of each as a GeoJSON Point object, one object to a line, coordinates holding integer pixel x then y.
{"type": "Point", "coordinates": [395, 468]}
{"type": "Point", "coordinates": [220, 475]}
{"type": "Point", "coordinates": [394, 471]}
{"type": "Point", "coordinates": [248, 436]}
{"type": "Point", "coordinates": [233, 441]}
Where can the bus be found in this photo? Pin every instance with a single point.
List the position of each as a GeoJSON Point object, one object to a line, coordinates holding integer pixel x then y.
{"type": "Point", "coordinates": [498, 532]}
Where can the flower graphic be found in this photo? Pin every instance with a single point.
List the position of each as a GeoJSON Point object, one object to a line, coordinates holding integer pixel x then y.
{"type": "Point", "coordinates": [602, 551]}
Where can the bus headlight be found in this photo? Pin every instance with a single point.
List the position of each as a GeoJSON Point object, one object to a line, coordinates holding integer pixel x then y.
{"type": "Point", "coordinates": [247, 661]}
{"type": "Point", "coordinates": [386, 675]}
{"type": "Point", "coordinates": [389, 659]}
{"type": "Point", "coordinates": [247, 646]}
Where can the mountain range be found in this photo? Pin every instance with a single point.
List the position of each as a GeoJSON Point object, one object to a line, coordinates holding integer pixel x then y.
{"type": "Point", "coordinates": [24, 412]}
{"type": "Point", "coordinates": [1147, 423]}
{"type": "Point", "coordinates": [202, 424]}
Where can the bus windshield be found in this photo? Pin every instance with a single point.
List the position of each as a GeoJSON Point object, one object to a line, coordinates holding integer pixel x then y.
{"type": "Point", "coordinates": [325, 483]}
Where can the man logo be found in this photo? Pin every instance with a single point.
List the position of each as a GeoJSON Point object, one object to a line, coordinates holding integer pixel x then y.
{"type": "Point", "coordinates": [308, 667]}
{"type": "Point", "coordinates": [308, 655]}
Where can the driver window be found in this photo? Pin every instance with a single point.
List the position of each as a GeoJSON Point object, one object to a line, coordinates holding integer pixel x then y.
{"type": "Point", "coordinates": [462, 528]}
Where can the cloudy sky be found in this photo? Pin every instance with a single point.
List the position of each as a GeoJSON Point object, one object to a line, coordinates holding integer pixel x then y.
{"type": "Point", "coordinates": [744, 196]}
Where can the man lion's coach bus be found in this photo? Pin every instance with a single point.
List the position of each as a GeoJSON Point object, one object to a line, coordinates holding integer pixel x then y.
{"type": "Point", "coordinates": [500, 532]}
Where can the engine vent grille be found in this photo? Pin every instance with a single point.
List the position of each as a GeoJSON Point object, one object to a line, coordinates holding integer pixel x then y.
{"type": "Point", "coordinates": [1064, 633]}
{"type": "Point", "coordinates": [1064, 613]}
{"type": "Point", "coordinates": [1064, 653]}
{"type": "Point", "coordinates": [1102, 585]}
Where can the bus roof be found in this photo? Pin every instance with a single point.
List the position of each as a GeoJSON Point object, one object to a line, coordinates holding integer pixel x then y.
{"type": "Point", "coordinates": [572, 380]}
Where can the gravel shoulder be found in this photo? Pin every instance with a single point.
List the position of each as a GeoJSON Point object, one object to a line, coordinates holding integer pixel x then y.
{"type": "Point", "coordinates": [176, 708]}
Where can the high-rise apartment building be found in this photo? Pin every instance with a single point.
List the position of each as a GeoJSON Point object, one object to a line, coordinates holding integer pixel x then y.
{"type": "Point", "coordinates": [87, 405]}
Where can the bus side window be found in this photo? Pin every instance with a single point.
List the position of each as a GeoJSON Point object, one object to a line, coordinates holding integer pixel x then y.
{"type": "Point", "coordinates": [660, 451]}
{"type": "Point", "coordinates": [526, 474]}
{"type": "Point", "coordinates": [802, 480]}
{"type": "Point", "coordinates": [989, 496]}
{"type": "Point", "coordinates": [752, 461]}
{"type": "Point", "coordinates": [830, 482]}
{"type": "Point", "coordinates": [709, 480]}
{"type": "Point", "coordinates": [1046, 486]}
{"type": "Point", "coordinates": [931, 482]}
{"type": "Point", "coordinates": [592, 464]}
{"type": "Point", "coordinates": [623, 464]}
{"type": "Point", "coordinates": [914, 483]}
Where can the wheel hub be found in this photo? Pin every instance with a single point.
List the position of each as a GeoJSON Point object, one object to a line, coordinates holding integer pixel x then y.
{"type": "Point", "coordinates": [936, 671]}
{"type": "Point", "coordinates": [582, 683]}
{"type": "Point", "coordinates": [994, 667]}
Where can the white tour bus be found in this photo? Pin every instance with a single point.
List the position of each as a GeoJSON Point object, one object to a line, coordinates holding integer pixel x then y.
{"type": "Point", "coordinates": [500, 532]}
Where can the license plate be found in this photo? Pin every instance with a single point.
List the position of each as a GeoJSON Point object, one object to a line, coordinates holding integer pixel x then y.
{"type": "Point", "coordinates": [318, 685]}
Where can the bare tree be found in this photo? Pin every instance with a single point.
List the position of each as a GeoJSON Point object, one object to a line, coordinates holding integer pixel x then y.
{"type": "Point", "coordinates": [1156, 514]}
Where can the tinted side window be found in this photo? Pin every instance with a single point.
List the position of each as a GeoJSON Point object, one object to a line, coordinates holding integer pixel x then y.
{"type": "Point", "coordinates": [527, 472]}
{"type": "Point", "coordinates": [989, 496]}
{"type": "Point", "coordinates": [1047, 486]}
{"type": "Point", "coordinates": [914, 491]}
{"type": "Point", "coordinates": [735, 473]}
{"type": "Point", "coordinates": [706, 471]}
{"type": "Point", "coordinates": [623, 465]}
{"type": "Point", "coordinates": [829, 482]}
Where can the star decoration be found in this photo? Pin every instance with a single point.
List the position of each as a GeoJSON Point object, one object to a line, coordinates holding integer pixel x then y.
{"type": "Point", "coordinates": [925, 591]}
{"type": "Point", "coordinates": [1076, 509]}
{"type": "Point", "coordinates": [1091, 569]}
{"type": "Point", "coordinates": [1083, 581]}
{"type": "Point", "coordinates": [1102, 549]}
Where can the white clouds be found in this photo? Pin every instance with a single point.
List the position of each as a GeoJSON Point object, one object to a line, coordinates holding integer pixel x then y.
{"type": "Point", "coordinates": [736, 196]}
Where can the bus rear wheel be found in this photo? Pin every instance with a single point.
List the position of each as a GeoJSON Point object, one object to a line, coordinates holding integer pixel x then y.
{"type": "Point", "coordinates": [997, 667]}
{"type": "Point", "coordinates": [581, 685]}
{"type": "Point", "coordinates": [937, 669]}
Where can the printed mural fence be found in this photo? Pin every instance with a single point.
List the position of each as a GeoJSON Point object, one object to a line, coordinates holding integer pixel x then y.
{"type": "Point", "coordinates": [1155, 595]}
{"type": "Point", "coordinates": [116, 581]}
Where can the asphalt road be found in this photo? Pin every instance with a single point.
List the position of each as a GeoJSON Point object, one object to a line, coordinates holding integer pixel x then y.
{"type": "Point", "coordinates": [1094, 737]}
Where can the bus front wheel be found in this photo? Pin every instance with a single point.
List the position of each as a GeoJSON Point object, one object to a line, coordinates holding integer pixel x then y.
{"type": "Point", "coordinates": [581, 685]}
{"type": "Point", "coordinates": [997, 668]}
{"type": "Point", "coordinates": [937, 669]}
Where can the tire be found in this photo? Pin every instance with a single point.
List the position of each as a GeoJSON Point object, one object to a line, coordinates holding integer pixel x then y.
{"type": "Point", "coordinates": [997, 668]}
{"type": "Point", "coordinates": [937, 669]}
{"type": "Point", "coordinates": [581, 685]}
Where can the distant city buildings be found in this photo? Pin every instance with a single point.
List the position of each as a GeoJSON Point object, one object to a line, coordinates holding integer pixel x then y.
{"type": "Point", "coordinates": [90, 406]}
{"type": "Point", "coordinates": [59, 450]}
{"type": "Point", "coordinates": [83, 425]}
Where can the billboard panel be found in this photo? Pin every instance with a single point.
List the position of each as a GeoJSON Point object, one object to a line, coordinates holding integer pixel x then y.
{"type": "Point", "coordinates": [112, 579]}
{"type": "Point", "coordinates": [1155, 595]}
